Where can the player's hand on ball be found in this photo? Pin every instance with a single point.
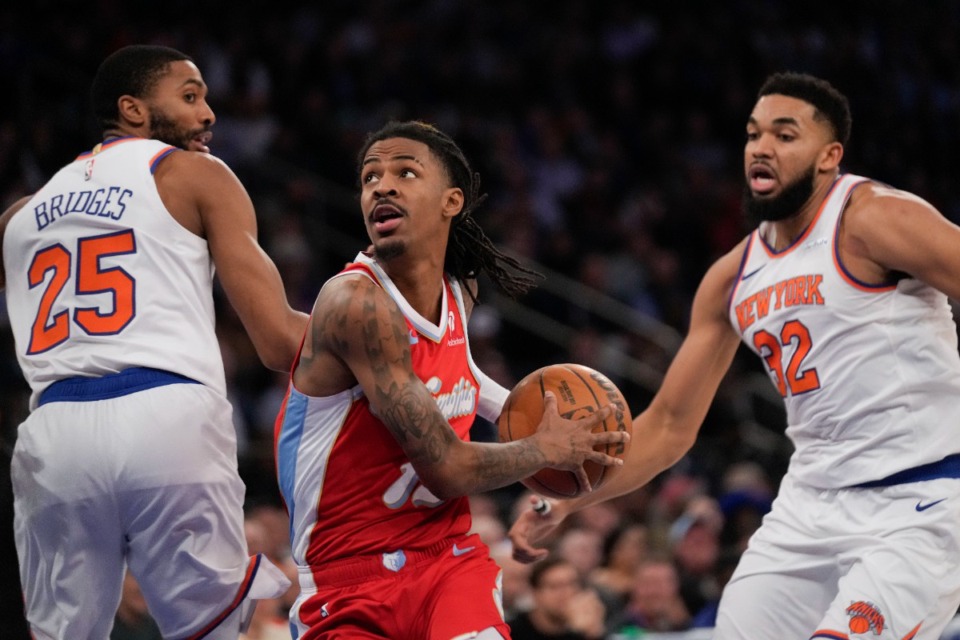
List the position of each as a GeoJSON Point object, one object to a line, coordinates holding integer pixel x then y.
{"type": "Point", "coordinates": [567, 444]}
{"type": "Point", "coordinates": [580, 454]}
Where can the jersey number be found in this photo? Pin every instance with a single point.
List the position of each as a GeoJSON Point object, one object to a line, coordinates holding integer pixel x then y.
{"type": "Point", "coordinates": [51, 330]}
{"type": "Point", "coordinates": [408, 487]}
{"type": "Point", "coordinates": [793, 379]}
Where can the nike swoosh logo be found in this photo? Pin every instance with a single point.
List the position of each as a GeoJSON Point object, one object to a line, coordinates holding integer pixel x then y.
{"type": "Point", "coordinates": [752, 273]}
{"type": "Point", "coordinates": [457, 551]}
{"type": "Point", "coordinates": [924, 507]}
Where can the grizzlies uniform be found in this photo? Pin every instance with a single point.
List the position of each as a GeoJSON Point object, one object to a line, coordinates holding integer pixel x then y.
{"type": "Point", "coordinates": [129, 453]}
{"type": "Point", "coordinates": [379, 555]}
{"type": "Point", "coordinates": [866, 526]}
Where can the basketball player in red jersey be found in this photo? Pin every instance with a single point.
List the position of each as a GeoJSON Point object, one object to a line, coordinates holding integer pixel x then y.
{"type": "Point", "coordinates": [373, 451]}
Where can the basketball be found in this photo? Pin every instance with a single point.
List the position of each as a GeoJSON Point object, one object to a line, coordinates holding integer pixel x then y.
{"type": "Point", "coordinates": [580, 391]}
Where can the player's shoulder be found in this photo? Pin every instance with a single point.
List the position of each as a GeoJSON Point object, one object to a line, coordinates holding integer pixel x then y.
{"type": "Point", "coordinates": [873, 200]}
{"type": "Point", "coordinates": [348, 287]}
{"type": "Point", "coordinates": [719, 280]}
{"type": "Point", "coordinates": [192, 166]}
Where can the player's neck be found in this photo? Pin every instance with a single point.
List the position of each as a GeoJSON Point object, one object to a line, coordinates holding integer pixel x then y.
{"type": "Point", "coordinates": [783, 233]}
{"type": "Point", "coordinates": [420, 283]}
{"type": "Point", "coordinates": [120, 132]}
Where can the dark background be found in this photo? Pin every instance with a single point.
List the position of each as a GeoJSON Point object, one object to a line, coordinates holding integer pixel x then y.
{"type": "Point", "coordinates": [608, 134]}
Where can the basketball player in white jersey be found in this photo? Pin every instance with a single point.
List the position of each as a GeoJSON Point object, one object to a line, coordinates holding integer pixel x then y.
{"type": "Point", "coordinates": [129, 454]}
{"type": "Point", "coordinates": [842, 291]}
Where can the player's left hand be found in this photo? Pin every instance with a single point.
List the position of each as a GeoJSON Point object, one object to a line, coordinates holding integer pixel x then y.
{"type": "Point", "coordinates": [533, 525]}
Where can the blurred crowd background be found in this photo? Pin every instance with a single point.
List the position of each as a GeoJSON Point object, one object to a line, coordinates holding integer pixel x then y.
{"type": "Point", "coordinates": [609, 139]}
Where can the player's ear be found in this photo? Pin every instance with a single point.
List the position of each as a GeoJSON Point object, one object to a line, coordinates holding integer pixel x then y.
{"type": "Point", "coordinates": [830, 156]}
{"type": "Point", "coordinates": [132, 110]}
{"type": "Point", "coordinates": [452, 202]}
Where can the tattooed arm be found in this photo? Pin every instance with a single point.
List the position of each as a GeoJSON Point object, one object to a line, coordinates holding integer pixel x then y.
{"type": "Point", "coordinates": [357, 334]}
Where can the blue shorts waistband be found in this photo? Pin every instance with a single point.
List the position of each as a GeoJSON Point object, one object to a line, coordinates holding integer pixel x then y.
{"type": "Point", "coordinates": [113, 385]}
{"type": "Point", "coordinates": [949, 467]}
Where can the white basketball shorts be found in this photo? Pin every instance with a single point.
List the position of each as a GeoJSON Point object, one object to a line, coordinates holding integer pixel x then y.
{"type": "Point", "coordinates": [878, 563]}
{"type": "Point", "coordinates": [148, 479]}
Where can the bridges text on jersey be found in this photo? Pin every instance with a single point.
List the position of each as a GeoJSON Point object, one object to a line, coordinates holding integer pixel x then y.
{"type": "Point", "coordinates": [106, 202]}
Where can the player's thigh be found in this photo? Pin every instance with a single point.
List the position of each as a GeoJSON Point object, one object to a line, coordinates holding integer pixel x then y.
{"type": "Point", "coordinates": [902, 584]}
{"type": "Point", "coordinates": [71, 569]}
{"type": "Point", "coordinates": [184, 515]}
{"type": "Point", "coordinates": [770, 606]}
{"type": "Point", "coordinates": [68, 539]}
{"type": "Point", "coordinates": [466, 597]}
{"type": "Point", "coordinates": [780, 588]}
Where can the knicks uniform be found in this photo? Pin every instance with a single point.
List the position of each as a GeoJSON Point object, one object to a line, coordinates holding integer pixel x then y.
{"type": "Point", "coordinates": [129, 453]}
{"type": "Point", "coordinates": [864, 536]}
{"type": "Point", "coordinates": [379, 555]}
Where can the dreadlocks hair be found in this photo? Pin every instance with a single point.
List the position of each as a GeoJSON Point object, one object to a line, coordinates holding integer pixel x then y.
{"type": "Point", "coordinates": [129, 71]}
{"type": "Point", "coordinates": [828, 103]}
{"type": "Point", "coordinates": [469, 251]}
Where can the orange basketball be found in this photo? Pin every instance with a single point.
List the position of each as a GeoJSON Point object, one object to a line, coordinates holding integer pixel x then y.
{"type": "Point", "coordinates": [580, 391]}
{"type": "Point", "coordinates": [859, 624]}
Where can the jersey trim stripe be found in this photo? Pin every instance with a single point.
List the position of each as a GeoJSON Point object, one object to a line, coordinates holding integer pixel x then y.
{"type": "Point", "coordinates": [288, 445]}
{"type": "Point", "coordinates": [423, 326]}
{"type": "Point", "coordinates": [949, 467]}
{"type": "Point", "coordinates": [252, 567]}
{"type": "Point", "coordinates": [773, 253]}
{"type": "Point", "coordinates": [106, 145]}
{"type": "Point", "coordinates": [89, 389]}
{"type": "Point", "coordinates": [155, 160]}
{"type": "Point", "coordinates": [841, 268]}
{"type": "Point", "coordinates": [739, 278]}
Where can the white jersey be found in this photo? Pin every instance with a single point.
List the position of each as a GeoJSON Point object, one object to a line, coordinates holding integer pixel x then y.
{"type": "Point", "coordinates": [100, 277]}
{"type": "Point", "coordinates": [870, 375]}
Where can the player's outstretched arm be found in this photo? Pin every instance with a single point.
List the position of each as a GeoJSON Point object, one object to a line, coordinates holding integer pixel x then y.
{"type": "Point", "coordinates": [357, 323]}
{"type": "Point", "coordinates": [202, 185]}
{"type": "Point", "coordinates": [667, 429]}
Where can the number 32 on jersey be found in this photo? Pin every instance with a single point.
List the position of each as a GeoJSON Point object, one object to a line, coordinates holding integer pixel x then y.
{"type": "Point", "coordinates": [790, 376]}
{"type": "Point", "coordinates": [89, 277]}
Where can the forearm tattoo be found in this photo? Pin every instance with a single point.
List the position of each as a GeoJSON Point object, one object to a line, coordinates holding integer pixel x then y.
{"type": "Point", "coordinates": [367, 329]}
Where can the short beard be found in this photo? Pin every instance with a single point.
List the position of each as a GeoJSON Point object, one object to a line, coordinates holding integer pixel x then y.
{"type": "Point", "coordinates": [783, 206]}
{"type": "Point", "coordinates": [389, 249]}
{"type": "Point", "coordinates": [166, 130]}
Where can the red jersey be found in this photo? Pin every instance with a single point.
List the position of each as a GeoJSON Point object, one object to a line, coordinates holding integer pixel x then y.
{"type": "Point", "coordinates": [348, 486]}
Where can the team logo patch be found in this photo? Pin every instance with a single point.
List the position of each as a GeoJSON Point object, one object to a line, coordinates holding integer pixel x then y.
{"type": "Point", "coordinates": [395, 561]}
{"type": "Point", "coordinates": [864, 617]}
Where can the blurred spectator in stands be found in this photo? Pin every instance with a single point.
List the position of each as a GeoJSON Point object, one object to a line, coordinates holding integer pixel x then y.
{"type": "Point", "coordinates": [563, 608]}
{"type": "Point", "coordinates": [655, 603]}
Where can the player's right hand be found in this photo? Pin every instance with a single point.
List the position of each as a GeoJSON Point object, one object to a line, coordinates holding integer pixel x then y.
{"type": "Point", "coordinates": [567, 444]}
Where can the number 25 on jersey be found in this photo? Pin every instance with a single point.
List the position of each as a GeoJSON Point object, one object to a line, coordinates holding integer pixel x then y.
{"type": "Point", "coordinates": [50, 330]}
